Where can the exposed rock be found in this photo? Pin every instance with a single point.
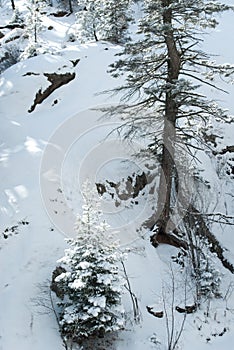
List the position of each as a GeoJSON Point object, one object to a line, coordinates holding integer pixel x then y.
{"type": "Point", "coordinates": [56, 80]}
{"type": "Point", "coordinates": [187, 309]}
{"type": "Point", "coordinates": [29, 74]}
{"type": "Point", "coordinates": [60, 14]}
{"type": "Point", "coordinates": [12, 38]}
{"type": "Point", "coordinates": [125, 189]}
{"type": "Point", "coordinates": [211, 138]}
{"type": "Point", "coordinates": [158, 314]}
{"type": "Point", "coordinates": [170, 239]}
{"type": "Point", "coordinates": [101, 188]}
{"type": "Point", "coordinates": [228, 149]}
{"type": "Point", "coordinates": [13, 26]}
{"type": "Point", "coordinates": [54, 286]}
{"type": "Point", "coordinates": [140, 183]}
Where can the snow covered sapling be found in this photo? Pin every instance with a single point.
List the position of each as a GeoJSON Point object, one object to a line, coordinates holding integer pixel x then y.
{"type": "Point", "coordinates": [34, 20]}
{"type": "Point", "coordinates": [17, 17]}
{"type": "Point", "coordinates": [115, 21]}
{"type": "Point", "coordinates": [92, 293]}
{"type": "Point", "coordinates": [9, 56]}
{"type": "Point", "coordinates": [33, 26]}
{"type": "Point", "coordinates": [91, 282]}
{"type": "Point", "coordinates": [200, 262]}
{"type": "Point", "coordinates": [68, 4]}
{"type": "Point", "coordinates": [104, 20]}
{"type": "Point", "coordinates": [88, 20]}
{"type": "Point", "coordinates": [208, 278]}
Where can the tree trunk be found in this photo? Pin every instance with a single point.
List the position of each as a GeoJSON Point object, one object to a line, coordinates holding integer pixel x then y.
{"type": "Point", "coordinates": [70, 6]}
{"type": "Point", "coordinates": [169, 130]}
{"type": "Point", "coordinates": [95, 34]}
{"type": "Point", "coordinates": [13, 4]}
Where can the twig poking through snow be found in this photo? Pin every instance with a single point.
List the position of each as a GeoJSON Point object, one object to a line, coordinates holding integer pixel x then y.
{"type": "Point", "coordinates": [136, 310]}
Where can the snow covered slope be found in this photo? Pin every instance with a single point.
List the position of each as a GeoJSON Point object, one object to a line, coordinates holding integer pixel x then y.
{"type": "Point", "coordinates": [45, 155]}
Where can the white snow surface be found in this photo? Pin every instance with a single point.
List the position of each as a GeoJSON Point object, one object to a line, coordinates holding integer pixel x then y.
{"type": "Point", "coordinates": [28, 257]}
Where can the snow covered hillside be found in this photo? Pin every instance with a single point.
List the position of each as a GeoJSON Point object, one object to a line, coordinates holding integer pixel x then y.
{"type": "Point", "coordinates": [53, 137]}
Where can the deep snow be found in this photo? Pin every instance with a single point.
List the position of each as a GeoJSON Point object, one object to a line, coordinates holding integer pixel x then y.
{"type": "Point", "coordinates": [45, 155]}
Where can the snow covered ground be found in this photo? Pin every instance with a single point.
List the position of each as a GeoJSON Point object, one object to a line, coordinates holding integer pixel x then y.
{"type": "Point", "coordinates": [45, 155]}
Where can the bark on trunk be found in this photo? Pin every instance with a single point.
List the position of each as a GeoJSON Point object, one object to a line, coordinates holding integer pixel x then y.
{"type": "Point", "coordinates": [169, 131]}
{"type": "Point", "coordinates": [70, 6]}
{"type": "Point", "coordinates": [13, 4]}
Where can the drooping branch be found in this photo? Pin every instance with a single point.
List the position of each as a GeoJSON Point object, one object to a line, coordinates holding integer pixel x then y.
{"type": "Point", "coordinates": [194, 218]}
{"type": "Point", "coordinates": [203, 81]}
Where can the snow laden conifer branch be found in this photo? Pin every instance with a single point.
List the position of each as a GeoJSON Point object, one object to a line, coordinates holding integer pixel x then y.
{"type": "Point", "coordinates": [91, 283]}
{"type": "Point", "coordinates": [169, 61]}
{"type": "Point", "coordinates": [90, 227]}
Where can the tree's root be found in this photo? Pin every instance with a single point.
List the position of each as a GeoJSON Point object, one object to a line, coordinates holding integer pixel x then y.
{"type": "Point", "coordinates": [194, 220]}
{"type": "Point", "coordinates": [171, 239]}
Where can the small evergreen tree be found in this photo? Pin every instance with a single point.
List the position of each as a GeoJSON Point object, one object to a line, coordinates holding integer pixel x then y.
{"type": "Point", "coordinates": [104, 20]}
{"type": "Point", "coordinates": [88, 20]}
{"type": "Point", "coordinates": [92, 283]}
{"type": "Point", "coordinates": [10, 55]}
{"type": "Point", "coordinates": [208, 278]}
{"type": "Point", "coordinates": [115, 21]}
{"type": "Point", "coordinates": [33, 26]}
{"type": "Point", "coordinates": [17, 17]}
{"type": "Point", "coordinates": [68, 4]}
{"type": "Point", "coordinates": [34, 20]}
